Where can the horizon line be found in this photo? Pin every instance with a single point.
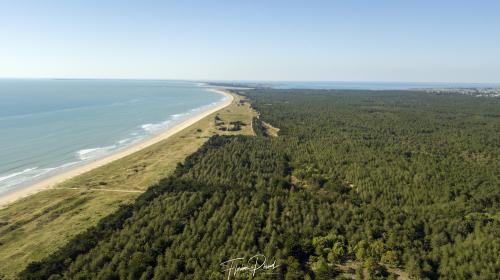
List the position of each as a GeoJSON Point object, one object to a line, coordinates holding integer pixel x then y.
{"type": "Point", "coordinates": [251, 80]}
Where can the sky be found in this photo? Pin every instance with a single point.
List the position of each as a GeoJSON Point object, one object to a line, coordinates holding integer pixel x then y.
{"type": "Point", "coordinates": [412, 41]}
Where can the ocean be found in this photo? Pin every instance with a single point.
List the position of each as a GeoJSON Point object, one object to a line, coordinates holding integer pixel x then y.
{"type": "Point", "coordinates": [48, 126]}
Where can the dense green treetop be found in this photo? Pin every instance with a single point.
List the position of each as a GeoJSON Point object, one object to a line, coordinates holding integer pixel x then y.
{"type": "Point", "coordinates": [389, 179]}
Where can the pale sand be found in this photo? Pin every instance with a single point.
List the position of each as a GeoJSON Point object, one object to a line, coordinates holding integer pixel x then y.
{"type": "Point", "coordinates": [59, 178]}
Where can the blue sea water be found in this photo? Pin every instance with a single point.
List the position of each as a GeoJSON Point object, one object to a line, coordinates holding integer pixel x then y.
{"type": "Point", "coordinates": [47, 126]}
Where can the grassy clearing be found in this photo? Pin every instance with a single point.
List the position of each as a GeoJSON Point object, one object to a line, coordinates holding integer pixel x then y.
{"type": "Point", "coordinates": [34, 227]}
{"type": "Point", "coordinates": [271, 130]}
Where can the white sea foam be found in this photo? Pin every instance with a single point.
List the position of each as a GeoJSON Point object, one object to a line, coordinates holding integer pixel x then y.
{"type": "Point", "coordinates": [15, 174]}
{"type": "Point", "coordinates": [178, 116]}
{"type": "Point", "coordinates": [154, 127]}
{"type": "Point", "coordinates": [130, 140]}
{"type": "Point", "coordinates": [28, 175]}
{"type": "Point", "coordinates": [87, 154]}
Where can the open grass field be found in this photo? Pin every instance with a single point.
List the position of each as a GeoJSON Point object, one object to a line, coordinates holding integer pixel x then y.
{"type": "Point", "coordinates": [36, 226]}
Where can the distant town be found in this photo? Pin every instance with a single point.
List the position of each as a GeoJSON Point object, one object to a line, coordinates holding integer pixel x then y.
{"type": "Point", "coordinates": [478, 92]}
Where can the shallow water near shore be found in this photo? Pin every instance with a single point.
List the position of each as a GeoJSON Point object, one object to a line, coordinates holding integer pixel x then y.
{"type": "Point", "coordinates": [48, 126]}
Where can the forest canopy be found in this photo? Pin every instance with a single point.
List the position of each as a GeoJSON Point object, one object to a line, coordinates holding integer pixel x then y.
{"type": "Point", "coordinates": [387, 180]}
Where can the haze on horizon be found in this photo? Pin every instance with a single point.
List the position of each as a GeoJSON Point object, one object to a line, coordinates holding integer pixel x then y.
{"type": "Point", "coordinates": [424, 41]}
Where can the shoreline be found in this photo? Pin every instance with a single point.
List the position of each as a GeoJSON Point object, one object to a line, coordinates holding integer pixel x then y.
{"type": "Point", "coordinates": [52, 181]}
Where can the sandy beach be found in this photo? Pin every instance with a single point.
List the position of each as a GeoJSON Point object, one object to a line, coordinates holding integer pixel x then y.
{"type": "Point", "coordinates": [59, 178]}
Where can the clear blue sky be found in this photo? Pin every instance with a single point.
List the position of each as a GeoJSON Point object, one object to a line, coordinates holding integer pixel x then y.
{"type": "Point", "coordinates": [449, 41]}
